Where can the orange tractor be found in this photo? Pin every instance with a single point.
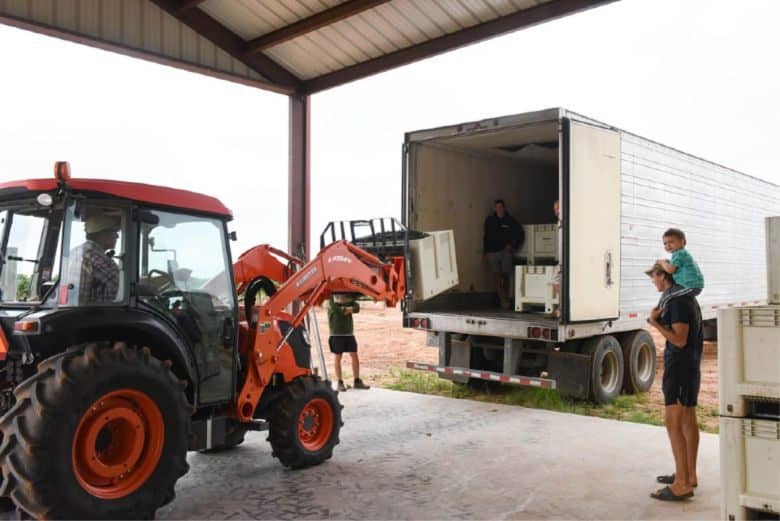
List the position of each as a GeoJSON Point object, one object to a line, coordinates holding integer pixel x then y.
{"type": "Point", "coordinates": [129, 338]}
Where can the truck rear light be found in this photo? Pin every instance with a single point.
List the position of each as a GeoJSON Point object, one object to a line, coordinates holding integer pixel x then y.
{"type": "Point", "coordinates": [546, 333]}
{"type": "Point", "coordinates": [415, 322]}
{"type": "Point", "coordinates": [425, 323]}
{"type": "Point", "coordinates": [534, 332]}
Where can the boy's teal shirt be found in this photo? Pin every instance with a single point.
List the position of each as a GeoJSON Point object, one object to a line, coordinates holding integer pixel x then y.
{"type": "Point", "coordinates": [339, 323]}
{"type": "Point", "coordinates": [688, 274]}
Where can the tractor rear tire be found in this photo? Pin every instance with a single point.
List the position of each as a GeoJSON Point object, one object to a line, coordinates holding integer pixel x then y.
{"type": "Point", "coordinates": [305, 422]}
{"type": "Point", "coordinates": [95, 434]}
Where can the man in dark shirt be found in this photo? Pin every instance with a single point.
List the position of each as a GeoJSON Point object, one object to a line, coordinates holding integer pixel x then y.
{"type": "Point", "coordinates": [680, 325]}
{"type": "Point", "coordinates": [502, 235]}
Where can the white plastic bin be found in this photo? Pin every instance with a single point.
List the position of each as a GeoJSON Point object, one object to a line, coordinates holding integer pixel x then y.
{"type": "Point", "coordinates": [748, 357]}
{"type": "Point", "coordinates": [534, 287]}
{"type": "Point", "coordinates": [434, 264]}
{"type": "Point", "coordinates": [773, 258]}
{"type": "Point", "coordinates": [749, 467]}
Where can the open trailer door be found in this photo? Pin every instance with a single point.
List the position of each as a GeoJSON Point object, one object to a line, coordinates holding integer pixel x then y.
{"type": "Point", "coordinates": [591, 213]}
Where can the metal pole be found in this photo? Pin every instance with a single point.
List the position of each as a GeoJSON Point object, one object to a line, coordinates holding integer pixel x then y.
{"type": "Point", "coordinates": [318, 340]}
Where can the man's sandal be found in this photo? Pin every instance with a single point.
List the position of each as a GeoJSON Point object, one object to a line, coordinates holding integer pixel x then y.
{"type": "Point", "coordinates": [668, 479]}
{"type": "Point", "coordinates": [666, 494]}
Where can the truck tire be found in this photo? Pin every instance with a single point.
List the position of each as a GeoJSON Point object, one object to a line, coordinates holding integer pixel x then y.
{"type": "Point", "coordinates": [95, 434]}
{"type": "Point", "coordinates": [233, 438]}
{"type": "Point", "coordinates": [606, 373]}
{"type": "Point", "coordinates": [639, 361]}
{"type": "Point", "coordinates": [304, 423]}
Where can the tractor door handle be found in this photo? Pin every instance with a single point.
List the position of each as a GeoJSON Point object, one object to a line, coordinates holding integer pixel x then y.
{"type": "Point", "coordinates": [228, 333]}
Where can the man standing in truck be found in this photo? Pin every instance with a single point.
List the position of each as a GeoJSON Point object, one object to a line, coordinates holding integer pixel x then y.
{"type": "Point", "coordinates": [680, 324]}
{"type": "Point", "coordinates": [502, 236]}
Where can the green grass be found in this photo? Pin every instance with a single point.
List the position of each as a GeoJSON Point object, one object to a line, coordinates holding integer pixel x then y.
{"type": "Point", "coordinates": [633, 408]}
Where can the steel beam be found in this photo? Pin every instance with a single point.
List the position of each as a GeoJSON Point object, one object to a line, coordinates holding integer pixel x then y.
{"type": "Point", "coordinates": [231, 43]}
{"type": "Point", "coordinates": [312, 23]}
{"type": "Point", "coordinates": [299, 186]}
{"type": "Point", "coordinates": [505, 24]}
{"type": "Point", "coordinates": [189, 4]}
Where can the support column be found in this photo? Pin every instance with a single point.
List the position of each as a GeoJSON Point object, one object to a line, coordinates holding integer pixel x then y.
{"type": "Point", "coordinates": [299, 178]}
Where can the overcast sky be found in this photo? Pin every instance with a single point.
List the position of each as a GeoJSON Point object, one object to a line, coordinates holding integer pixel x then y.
{"type": "Point", "coordinates": [699, 75]}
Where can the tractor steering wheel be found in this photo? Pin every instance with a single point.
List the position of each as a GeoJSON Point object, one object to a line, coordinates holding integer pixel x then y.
{"type": "Point", "coordinates": [161, 280]}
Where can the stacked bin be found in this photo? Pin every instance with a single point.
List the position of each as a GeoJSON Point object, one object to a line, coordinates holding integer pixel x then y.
{"type": "Point", "coordinates": [749, 375]}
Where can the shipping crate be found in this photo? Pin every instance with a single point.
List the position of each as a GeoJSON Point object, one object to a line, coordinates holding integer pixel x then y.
{"type": "Point", "coordinates": [749, 468]}
{"type": "Point", "coordinates": [534, 288]}
{"type": "Point", "coordinates": [434, 265]}
{"type": "Point", "coordinates": [748, 358]}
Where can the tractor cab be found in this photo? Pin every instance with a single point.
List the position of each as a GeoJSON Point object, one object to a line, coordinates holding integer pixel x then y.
{"type": "Point", "coordinates": [85, 260]}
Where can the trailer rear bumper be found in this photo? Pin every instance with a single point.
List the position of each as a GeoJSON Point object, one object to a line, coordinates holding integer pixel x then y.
{"type": "Point", "coordinates": [526, 381]}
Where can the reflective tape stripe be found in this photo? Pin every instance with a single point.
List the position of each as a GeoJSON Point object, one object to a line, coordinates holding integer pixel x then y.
{"type": "Point", "coordinates": [543, 383]}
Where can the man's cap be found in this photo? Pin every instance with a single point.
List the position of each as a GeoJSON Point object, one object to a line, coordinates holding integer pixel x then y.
{"type": "Point", "coordinates": [99, 223]}
{"type": "Point", "coordinates": [657, 269]}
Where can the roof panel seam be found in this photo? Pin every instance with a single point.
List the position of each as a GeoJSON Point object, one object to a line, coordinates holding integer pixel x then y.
{"type": "Point", "coordinates": [378, 13]}
{"type": "Point", "coordinates": [400, 13]}
{"type": "Point", "coordinates": [447, 13]}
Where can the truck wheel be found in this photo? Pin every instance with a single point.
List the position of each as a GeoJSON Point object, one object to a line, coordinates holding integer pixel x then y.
{"type": "Point", "coordinates": [606, 373]}
{"type": "Point", "coordinates": [639, 361]}
{"type": "Point", "coordinates": [233, 438]}
{"type": "Point", "coordinates": [304, 423]}
{"type": "Point", "coordinates": [95, 434]}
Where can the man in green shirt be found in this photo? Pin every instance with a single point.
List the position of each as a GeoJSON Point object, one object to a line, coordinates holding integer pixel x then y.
{"type": "Point", "coordinates": [342, 340]}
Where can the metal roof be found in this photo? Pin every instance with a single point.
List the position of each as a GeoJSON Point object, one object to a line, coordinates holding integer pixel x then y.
{"type": "Point", "coordinates": [289, 46]}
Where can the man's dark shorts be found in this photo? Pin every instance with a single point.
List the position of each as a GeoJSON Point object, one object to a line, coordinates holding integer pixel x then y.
{"type": "Point", "coordinates": [681, 385]}
{"type": "Point", "coordinates": [342, 344]}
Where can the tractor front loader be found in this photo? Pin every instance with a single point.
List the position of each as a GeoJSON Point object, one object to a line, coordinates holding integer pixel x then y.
{"type": "Point", "coordinates": [128, 337]}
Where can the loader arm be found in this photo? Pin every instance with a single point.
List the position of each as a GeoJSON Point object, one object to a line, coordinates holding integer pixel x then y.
{"type": "Point", "coordinates": [340, 267]}
{"type": "Point", "coordinates": [263, 261]}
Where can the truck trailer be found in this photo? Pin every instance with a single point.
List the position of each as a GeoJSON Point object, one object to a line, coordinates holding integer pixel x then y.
{"type": "Point", "coordinates": [618, 193]}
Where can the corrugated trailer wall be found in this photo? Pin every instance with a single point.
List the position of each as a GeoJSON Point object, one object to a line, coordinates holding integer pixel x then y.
{"type": "Point", "coordinates": [721, 211]}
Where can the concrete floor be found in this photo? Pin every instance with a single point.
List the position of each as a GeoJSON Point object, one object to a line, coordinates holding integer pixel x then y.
{"type": "Point", "coordinates": [408, 456]}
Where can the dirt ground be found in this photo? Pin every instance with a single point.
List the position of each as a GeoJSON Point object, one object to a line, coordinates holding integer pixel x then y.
{"type": "Point", "coordinates": [384, 346]}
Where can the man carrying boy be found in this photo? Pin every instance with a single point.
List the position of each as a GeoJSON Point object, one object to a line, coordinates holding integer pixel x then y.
{"type": "Point", "coordinates": [680, 325]}
{"type": "Point", "coordinates": [342, 336]}
{"type": "Point", "coordinates": [682, 267]}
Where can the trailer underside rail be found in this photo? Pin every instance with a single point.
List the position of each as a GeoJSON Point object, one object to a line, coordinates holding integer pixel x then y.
{"type": "Point", "coordinates": [528, 381]}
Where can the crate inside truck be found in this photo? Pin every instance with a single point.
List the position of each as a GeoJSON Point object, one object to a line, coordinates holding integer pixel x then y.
{"type": "Point", "coordinates": [618, 192]}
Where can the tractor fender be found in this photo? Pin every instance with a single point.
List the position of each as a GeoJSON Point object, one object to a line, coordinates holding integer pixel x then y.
{"type": "Point", "coordinates": [65, 327]}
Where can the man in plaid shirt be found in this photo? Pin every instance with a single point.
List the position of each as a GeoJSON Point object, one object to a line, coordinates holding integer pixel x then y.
{"type": "Point", "coordinates": [91, 270]}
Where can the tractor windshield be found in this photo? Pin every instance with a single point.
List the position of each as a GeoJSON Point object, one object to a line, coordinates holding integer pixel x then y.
{"type": "Point", "coordinates": [29, 251]}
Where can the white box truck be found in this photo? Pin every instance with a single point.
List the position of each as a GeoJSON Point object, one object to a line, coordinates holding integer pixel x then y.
{"type": "Point", "coordinates": [618, 193]}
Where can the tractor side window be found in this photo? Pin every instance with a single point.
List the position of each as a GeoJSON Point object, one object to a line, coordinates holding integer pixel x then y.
{"type": "Point", "coordinates": [21, 256]}
{"type": "Point", "coordinates": [184, 272]}
{"type": "Point", "coordinates": [186, 253]}
{"type": "Point", "coordinates": [93, 255]}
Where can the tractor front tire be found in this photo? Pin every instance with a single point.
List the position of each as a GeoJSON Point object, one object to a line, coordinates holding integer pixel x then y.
{"type": "Point", "coordinates": [305, 422]}
{"type": "Point", "coordinates": [95, 434]}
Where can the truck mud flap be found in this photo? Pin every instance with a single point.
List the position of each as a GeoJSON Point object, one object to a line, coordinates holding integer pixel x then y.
{"type": "Point", "coordinates": [572, 372]}
{"type": "Point", "coordinates": [527, 381]}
